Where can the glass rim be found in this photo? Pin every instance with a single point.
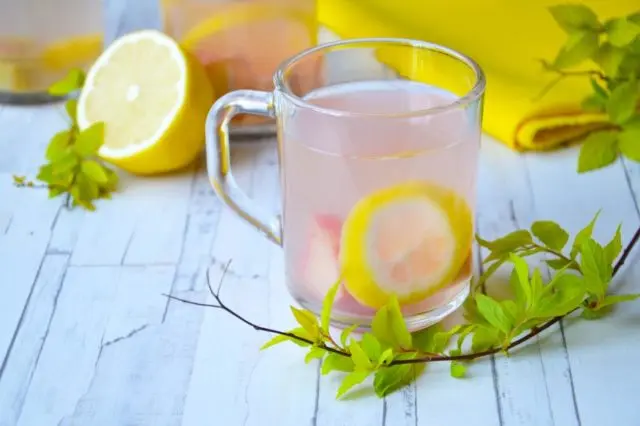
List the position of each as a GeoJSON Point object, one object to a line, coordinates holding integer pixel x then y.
{"type": "Point", "coordinates": [471, 96]}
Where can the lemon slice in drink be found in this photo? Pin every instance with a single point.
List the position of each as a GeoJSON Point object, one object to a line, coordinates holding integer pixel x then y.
{"type": "Point", "coordinates": [410, 240]}
{"type": "Point", "coordinates": [72, 52]}
{"type": "Point", "coordinates": [242, 44]}
{"type": "Point", "coordinates": [153, 98]}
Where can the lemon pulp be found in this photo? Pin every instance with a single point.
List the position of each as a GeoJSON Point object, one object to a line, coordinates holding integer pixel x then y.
{"type": "Point", "coordinates": [153, 98]}
{"type": "Point", "coordinates": [410, 240]}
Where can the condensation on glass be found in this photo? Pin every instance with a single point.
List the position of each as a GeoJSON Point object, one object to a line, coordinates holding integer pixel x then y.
{"type": "Point", "coordinates": [41, 40]}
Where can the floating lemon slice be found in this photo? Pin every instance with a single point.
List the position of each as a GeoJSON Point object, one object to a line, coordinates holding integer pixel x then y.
{"type": "Point", "coordinates": [153, 98]}
{"type": "Point", "coordinates": [72, 52]}
{"type": "Point", "coordinates": [237, 45]}
{"type": "Point", "coordinates": [410, 240]}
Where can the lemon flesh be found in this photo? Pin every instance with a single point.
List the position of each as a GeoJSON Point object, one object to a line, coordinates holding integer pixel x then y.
{"type": "Point", "coordinates": [410, 240]}
{"type": "Point", "coordinates": [153, 98]}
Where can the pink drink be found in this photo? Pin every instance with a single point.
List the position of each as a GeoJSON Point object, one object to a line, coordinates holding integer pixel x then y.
{"type": "Point", "coordinates": [333, 158]}
{"type": "Point", "coordinates": [378, 142]}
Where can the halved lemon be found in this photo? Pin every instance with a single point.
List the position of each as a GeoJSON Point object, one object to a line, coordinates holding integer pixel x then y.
{"type": "Point", "coordinates": [410, 240]}
{"type": "Point", "coordinates": [153, 98]}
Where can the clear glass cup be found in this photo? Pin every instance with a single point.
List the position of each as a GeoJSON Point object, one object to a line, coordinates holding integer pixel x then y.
{"type": "Point", "coordinates": [378, 143]}
{"type": "Point", "coordinates": [41, 40]}
{"type": "Point", "coordinates": [242, 42]}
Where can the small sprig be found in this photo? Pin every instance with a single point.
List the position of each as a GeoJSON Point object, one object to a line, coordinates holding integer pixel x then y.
{"type": "Point", "coordinates": [613, 46]}
{"type": "Point", "coordinates": [73, 167]}
{"type": "Point", "coordinates": [394, 357]}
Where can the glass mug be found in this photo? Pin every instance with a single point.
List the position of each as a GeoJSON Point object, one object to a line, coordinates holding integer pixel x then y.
{"type": "Point", "coordinates": [378, 144]}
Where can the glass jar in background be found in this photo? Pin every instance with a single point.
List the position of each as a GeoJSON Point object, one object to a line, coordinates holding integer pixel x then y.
{"type": "Point", "coordinates": [242, 42]}
{"type": "Point", "coordinates": [41, 40]}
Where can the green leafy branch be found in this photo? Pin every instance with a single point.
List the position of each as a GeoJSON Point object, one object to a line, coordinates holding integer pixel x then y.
{"type": "Point", "coordinates": [73, 167]}
{"type": "Point", "coordinates": [395, 357]}
{"type": "Point", "coordinates": [614, 47]}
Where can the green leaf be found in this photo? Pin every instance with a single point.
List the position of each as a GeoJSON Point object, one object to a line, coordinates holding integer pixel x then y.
{"type": "Point", "coordinates": [275, 340]}
{"type": "Point", "coordinates": [423, 339]}
{"type": "Point", "coordinates": [519, 281]}
{"type": "Point", "coordinates": [66, 164]}
{"type": "Point", "coordinates": [94, 171]}
{"type": "Point", "coordinates": [609, 58]}
{"type": "Point", "coordinates": [335, 362]}
{"type": "Point", "coordinates": [614, 247]}
{"type": "Point", "coordinates": [559, 263]}
{"type": "Point", "coordinates": [593, 103]}
{"type": "Point", "coordinates": [595, 267]}
{"type": "Point", "coordinates": [511, 310]}
{"type": "Point", "coordinates": [634, 17]}
{"type": "Point", "coordinates": [327, 304]}
{"type": "Point", "coordinates": [359, 357]}
{"type": "Point", "coordinates": [565, 293]}
{"type": "Point", "coordinates": [465, 331]}
{"type": "Point", "coordinates": [389, 327]}
{"type": "Point", "coordinates": [350, 380]}
{"type": "Point", "coordinates": [491, 310]}
{"type": "Point", "coordinates": [72, 107]}
{"type": "Point", "coordinates": [388, 380]}
{"type": "Point", "coordinates": [509, 242]}
{"type": "Point", "coordinates": [386, 357]}
{"type": "Point", "coordinates": [70, 83]}
{"type": "Point", "coordinates": [458, 370]}
{"type": "Point", "coordinates": [346, 333]}
{"type": "Point", "coordinates": [583, 235]}
{"type": "Point", "coordinates": [629, 143]}
{"type": "Point", "coordinates": [55, 191]}
{"type": "Point", "coordinates": [90, 140]}
{"type": "Point", "coordinates": [598, 90]}
{"type": "Point", "coordinates": [307, 320]}
{"type": "Point", "coordinates": [574, 17]}
{"type": "Point", "coordinates": [58, 145]}
{"type": "Point", "coordinates": [314, 353]}
{"type": "Point", "coordinates": [485, 338]}
{"type": "Point", "coordinates": [598, 150]}
{"type": "Point", "coordinates": [580, 46]}
{"type": "Point", "coordinates": [550, 233]}
{"type": "Point", "coordinates": [622, 102]}
{"type": "Point", "coordinates": [593, 314]}
{"type": "Point", "coordinates": [371, 346]}
{"type": "Point", "coordinates": [622, 31]}
{"type": "Point", "coordinates": [112, 179]}
{"type": "Point", "coordinates": [618, 298]}
{"type": "Point", "coordinates": [491, 270]}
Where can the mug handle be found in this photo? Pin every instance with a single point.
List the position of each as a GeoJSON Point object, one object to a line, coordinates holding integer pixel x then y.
{"type": "Point", "coordinates": [219, 160]}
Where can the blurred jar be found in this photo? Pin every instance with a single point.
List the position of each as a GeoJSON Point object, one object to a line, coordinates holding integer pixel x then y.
{"type": "Point", "coordinates": [242, 42]}
{"type": "Point", "coordinates": [41, 40]}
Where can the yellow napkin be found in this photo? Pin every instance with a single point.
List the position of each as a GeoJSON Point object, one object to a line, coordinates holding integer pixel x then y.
{"type": "Point", "coordinates": [508, 39]}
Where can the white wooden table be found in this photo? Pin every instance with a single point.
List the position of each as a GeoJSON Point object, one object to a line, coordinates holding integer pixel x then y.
{"type": "Point", "coordinates": [88, 339]}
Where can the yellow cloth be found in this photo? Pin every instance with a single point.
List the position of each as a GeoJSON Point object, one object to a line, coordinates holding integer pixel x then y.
{"type": "Point", "coordinates": [507, 38]}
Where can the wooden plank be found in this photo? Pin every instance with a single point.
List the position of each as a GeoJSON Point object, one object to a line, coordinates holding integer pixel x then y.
{"type": "Point", "coordinates": [142, 224]}
{"type": "Point", "coordinates": [615, 338]}
{"type": "Point", "coordinates": [20, 259]}
{"type": "Point", "coordinates": [105, 361]}
{"type": "Point", "coordinates": [237, 365]}
{"type": "Point", "coordinates": [68, 360]}
{"type": "Point", "coordinates": [15, 377]}
{"type": "Point", "coordinates": [506, 203]}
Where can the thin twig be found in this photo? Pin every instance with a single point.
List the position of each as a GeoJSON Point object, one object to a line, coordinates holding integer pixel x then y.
{"type": "Point", "coordinates": [221, 305]}
{"type": "Point", "coordinates": [431, 358]}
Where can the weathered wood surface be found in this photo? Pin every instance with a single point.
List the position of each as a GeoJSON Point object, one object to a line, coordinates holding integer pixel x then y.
{"type": "Point", "coordinates": [87, 337]}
